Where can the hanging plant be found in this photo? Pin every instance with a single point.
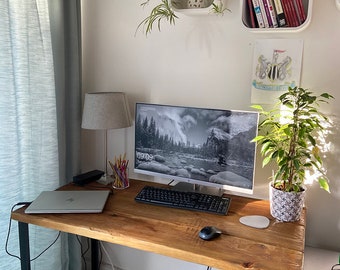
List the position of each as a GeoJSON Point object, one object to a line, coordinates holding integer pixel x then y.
{"type": "Point", "coordinates": [160, 12]}
{"type": "Point", "coordinates": [166, 11]}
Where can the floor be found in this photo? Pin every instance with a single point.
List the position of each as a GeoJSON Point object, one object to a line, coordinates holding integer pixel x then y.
{"type": "Point", "coordinates": [320, 259]}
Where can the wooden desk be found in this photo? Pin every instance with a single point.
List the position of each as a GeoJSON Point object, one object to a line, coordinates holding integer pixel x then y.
{"type": "Point", "coordinates": [174, 232]}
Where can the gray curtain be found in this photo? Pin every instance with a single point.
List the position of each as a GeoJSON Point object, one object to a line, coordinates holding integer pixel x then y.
{"type": "Point", "coordinates": [40, 112]}
{"type": "Point", "coordinates": [65, 21]}
{"type": "Point", "coordinates": [66, 44]}
{"type": "Point", "coordinates": [28, 123]}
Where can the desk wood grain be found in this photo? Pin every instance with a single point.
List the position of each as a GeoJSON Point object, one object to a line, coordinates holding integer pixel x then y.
{"type": "Point", "coordinates": [174, 233]}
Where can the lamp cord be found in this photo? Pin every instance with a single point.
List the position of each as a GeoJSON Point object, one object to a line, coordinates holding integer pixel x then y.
{"type": "Point", "coordinates": [105, 148]}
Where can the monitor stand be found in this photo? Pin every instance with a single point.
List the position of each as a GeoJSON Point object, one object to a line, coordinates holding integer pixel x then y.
{"type": "Point", "coordinates": [189, 187]}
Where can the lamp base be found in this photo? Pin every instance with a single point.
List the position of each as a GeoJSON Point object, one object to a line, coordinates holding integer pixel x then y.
{"type": "Point", "coordinates": [105, 179]}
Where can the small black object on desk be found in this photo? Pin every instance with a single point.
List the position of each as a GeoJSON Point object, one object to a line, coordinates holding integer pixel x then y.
{"type": "Point", "coordinates": [209, 233]}
{"type": "Point", "coordinates": [85, 178]}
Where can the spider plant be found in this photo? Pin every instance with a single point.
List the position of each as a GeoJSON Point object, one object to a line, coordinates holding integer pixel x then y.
{"type": "Point", "coordinates": [219, 8]}
{"type": "Point", "coordinates": [158, 13]}
{"type": "Point", "coordinates": [164, 11]}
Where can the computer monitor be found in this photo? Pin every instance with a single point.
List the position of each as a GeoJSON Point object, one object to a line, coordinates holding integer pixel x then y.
{"type": "Point", "coordinates": [209, 147]}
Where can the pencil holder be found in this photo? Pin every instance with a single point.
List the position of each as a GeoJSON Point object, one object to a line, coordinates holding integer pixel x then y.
{"type": "Point", "coordinates": [120, 173]}
{"type": "Point", "coordinates": [120, 179]}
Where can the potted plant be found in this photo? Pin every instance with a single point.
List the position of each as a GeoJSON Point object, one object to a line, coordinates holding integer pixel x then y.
{"type": "Point", "coordinates": [166, 10]}
{"type": "Point", "coordinates": [288, 136]}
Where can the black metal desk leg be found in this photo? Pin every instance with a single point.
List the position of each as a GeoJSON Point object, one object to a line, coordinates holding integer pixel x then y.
{"type": "Point", "coordinates": [94, 254]}
{"type": "Point", "coordinates": [24, 243]}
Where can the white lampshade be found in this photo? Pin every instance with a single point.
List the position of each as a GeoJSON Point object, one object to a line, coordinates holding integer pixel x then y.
{"type": "Point", "coordinates": [106, 110]}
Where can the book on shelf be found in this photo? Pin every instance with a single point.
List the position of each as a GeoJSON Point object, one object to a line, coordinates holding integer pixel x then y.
{"type": "Point", "coordinates": [276, 13]}
{"type": "Point", "coordinates": [280, 15]}
{"type": "Point", "coordinates": [272, 14]}
{"type": "Point", "coordinates": [285, 8]}
{"type": "Point", "coordinates": [300, 11]}
{"type": "Point", "coordinates": [264, 14]}
{"type": "Point", "coordinates": [250, 10]}
{"type": "Point", "coordinates": [293, 13]}
{"type": "Point", "coordinates": [258, 13]}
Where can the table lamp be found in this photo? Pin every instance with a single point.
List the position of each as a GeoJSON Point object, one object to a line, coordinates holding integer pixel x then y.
{"type": "Point", "coordinates": [104, 111]}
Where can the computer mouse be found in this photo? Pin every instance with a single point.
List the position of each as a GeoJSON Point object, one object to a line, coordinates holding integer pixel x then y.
{"type": "Point", "coordinates": [209, 232]}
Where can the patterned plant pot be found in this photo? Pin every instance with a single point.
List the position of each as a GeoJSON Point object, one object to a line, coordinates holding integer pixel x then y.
{"type": "Point", "coordinates": [286, 206]}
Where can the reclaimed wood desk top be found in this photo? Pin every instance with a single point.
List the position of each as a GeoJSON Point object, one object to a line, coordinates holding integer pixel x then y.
{"type": "Point", "coordinates": [174, 233]}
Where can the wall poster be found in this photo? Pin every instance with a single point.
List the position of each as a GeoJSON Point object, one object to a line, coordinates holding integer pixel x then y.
{"type": "Point", "coordinates": [276, 66]}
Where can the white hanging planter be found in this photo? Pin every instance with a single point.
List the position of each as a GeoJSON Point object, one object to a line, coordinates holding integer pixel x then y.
{"type": "Point", "coordinates": [286, 206]}
{"type": "Point", "coordinates": [193, 7]}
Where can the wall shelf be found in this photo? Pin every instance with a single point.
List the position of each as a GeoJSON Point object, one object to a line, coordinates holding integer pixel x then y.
{"type": "Point", "coordinates": [307, 4]}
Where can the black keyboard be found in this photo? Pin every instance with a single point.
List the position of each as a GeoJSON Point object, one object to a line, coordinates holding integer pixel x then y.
{"type": "Point", "coordinates": [184, 200]}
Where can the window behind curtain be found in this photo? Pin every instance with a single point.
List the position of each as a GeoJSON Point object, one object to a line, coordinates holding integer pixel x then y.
{"type": "Point", "coordinates": [28, 125]}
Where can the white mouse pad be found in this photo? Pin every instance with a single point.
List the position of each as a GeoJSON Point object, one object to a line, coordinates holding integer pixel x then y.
{"type": "Point", "coordinates": [259, 222]}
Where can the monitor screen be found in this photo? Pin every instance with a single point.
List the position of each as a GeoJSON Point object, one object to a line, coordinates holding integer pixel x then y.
{"type": "Point", "coordinates": [197, 145]}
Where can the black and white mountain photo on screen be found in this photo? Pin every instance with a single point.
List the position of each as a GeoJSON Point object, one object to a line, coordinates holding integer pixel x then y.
{"type": "Point", "coordinates": [207, 145]}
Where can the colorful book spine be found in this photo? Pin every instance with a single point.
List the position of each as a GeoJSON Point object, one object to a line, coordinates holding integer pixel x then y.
{"type": "Point", "coordinates": [251, 13]}
{"type": "Point", "coordinates": [272, 13]}
{"type": "Point", "coordinates": [281, 18]}
{"type": "Point", "coordinates": [266, 8]}
{"type": "Point", "coordinates": [258, 13]}
{"type": "Point", "coordinates": [300, 12]}
{"type": "Point", "coordinates": [287, 13]}
{"type": "Point", "coordinates": [276, 13]}
{"type": "Point", "coordinates": [293, 15]}
{"type": "Point", "coordinates": [264, 15]}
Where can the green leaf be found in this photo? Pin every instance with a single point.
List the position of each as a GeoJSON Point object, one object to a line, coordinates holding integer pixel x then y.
{"type": "Point", "coordinates": [287, 131]}
{"type": "Point", "coordinates": [326, 95]}
{"type": "Point", "coordinates": [267, 147]}
{"type": "Point", "coordinates": [296, 163]}
{"type": "Point", "coordinates": [275, 154]}
{"type": "Point", "coordinates": [266, 161]}
{"type": "Point", "coordinates": [281, 153]}
{"type": "Point", "coordinates": [257, 107]}
{"type": "Point", "coordinates": [324, 184]}
{"type": "Point", "coordinates": [312, 140]}
{"type": "Point", "coordinates": [258, 138]}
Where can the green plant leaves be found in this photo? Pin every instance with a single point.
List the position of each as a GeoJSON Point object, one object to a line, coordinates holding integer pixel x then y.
{"type": "Point", "coordinates": [158, 13]}
{"type": "Point", "coordinates": [164, 11]}
{"type": "Point", "coordinates": [293, 144]}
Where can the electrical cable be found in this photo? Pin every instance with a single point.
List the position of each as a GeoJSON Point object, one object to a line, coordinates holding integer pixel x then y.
{"type": "Point", "coordinates": [9, 231]}
{"type": "Point", "coordinates": [335, 265]}
{"type": "Point", "coordinates": [82, 253]}
{"type": "Point", "coordinates": [101, 256]}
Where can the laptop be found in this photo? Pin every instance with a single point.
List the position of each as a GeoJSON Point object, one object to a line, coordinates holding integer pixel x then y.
{"type": "Point", "coordinates": [80, 201]}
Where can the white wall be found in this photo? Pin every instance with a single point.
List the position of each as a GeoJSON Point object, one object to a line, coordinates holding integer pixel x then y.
{"type": "Point", "coordinates": [206, 61]}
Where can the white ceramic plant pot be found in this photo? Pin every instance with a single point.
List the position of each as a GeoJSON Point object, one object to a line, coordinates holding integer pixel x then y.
{"type": "Point", "coordinates": [286, 206]}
